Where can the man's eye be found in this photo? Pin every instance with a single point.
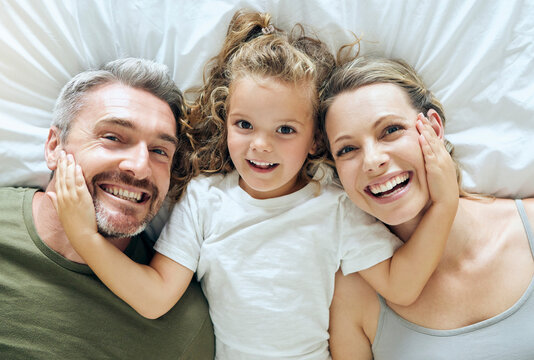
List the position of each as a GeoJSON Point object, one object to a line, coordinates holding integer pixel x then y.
{"type": "Point", "coordinates": [344, 150]}
{"type": "Point", "coordinates": [111, 137]}
{"type": "Point", "coordinates": [242, 124]}
{"type": "Point", "coordinates": [285, 130]}
{"type": "Point", "coordinates": [160, 152]}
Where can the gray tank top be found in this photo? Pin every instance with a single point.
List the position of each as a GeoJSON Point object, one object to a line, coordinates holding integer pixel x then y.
{"type": "Point", "coordinates": [509, 335]}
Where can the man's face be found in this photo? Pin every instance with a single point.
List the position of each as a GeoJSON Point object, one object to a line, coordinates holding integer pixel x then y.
{"type": "Point", "coordinates": [124, 140]}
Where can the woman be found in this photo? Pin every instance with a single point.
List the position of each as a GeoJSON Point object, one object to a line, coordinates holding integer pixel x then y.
{"type": "Point", "coordinates": [478, 304]}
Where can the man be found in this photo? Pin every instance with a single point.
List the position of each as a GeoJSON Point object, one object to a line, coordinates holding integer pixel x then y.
{"type": "Point", "coordinates": [122, 125]}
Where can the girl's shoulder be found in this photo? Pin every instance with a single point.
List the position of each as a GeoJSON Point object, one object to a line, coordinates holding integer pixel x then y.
{"type": "Point", "coordinates": [204, 182]}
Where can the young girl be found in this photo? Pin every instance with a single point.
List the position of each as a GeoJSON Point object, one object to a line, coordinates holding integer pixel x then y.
{"type": "Point", "coordinates": [266, 234]}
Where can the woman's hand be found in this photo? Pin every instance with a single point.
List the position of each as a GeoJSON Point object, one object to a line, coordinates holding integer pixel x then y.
{"type": "Point", "coordinates": [440, 168]}
{"type": "Point", "coordinates": [72, 201]}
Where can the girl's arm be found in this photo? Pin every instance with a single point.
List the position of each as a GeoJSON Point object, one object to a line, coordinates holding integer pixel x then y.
{"type": "Point", "coordinates": [150, 290]}
{"type": "Point", "coordinates": [401, 278]}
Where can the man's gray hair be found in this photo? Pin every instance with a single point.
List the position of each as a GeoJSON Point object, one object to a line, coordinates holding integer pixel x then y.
{"type": "Point", "coordinates": [137, 73]}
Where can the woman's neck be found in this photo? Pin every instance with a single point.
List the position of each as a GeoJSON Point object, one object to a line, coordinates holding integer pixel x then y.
{"type": "Point", "coordinates": [405, 230]}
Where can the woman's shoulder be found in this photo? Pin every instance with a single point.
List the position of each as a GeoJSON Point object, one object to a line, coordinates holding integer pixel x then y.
{"type": "Point", "coordinates": [357, 300]}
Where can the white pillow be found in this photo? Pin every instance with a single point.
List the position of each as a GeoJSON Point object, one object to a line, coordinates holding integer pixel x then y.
{"type": "Point", "coordinates": [477, 57]}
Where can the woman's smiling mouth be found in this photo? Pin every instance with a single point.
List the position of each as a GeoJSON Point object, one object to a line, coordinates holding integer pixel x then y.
{"type": "Point", "coordinates": [390, 187]}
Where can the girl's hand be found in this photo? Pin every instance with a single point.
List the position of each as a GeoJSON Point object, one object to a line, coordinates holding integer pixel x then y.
{"type": "Point", "coordinates": [440, 168]}
{"type": "Point", "coordinates": [72, 200]}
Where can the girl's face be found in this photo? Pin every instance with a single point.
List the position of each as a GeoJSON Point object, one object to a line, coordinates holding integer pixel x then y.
{"type": "Point", "coordinates": [270, 133]}
{"type": "Point", "coordinates": [374, 142]}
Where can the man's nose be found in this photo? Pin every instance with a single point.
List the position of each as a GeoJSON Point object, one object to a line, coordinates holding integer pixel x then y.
{"type": "Point", "coordinates": [136, 161]}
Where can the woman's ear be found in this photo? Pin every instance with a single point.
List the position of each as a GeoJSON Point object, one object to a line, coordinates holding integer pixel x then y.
{"type": "Point", "coordinates": [436, 123]}
{"type": "Point", "coordinates": [52, 148]}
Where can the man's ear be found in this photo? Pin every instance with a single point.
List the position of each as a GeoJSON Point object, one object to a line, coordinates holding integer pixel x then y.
{"type": "Point", "coordinates": [52, 148]}
{"type": "Point", "coordinates": [436, 123]}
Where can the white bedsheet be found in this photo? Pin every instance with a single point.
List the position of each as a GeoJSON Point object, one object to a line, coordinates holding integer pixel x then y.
{"type": "Point", "coordinates": [477, 56]}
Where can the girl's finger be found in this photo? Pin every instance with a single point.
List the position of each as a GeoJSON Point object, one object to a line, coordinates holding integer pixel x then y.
{"type": "Point", "coordinates": [60, 178]}
{"type": "Point", "coordinates": [80, 180]}
{"type": "Point", "coordinates": [426, 130]}
{"type": "Point", "coordinates": [428, 151]}
{"type": "Point", "coordinates": [69, 173]}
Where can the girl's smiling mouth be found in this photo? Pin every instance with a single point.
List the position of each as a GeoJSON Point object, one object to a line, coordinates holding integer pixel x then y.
{"type": "Point", "coordinates": [261, 165]}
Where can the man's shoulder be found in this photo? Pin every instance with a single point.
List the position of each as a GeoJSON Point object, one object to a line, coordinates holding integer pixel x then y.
{"type": "Point", "coordinates": [6, 191]}
{"type": "Point", "coordinates": [14, 195]}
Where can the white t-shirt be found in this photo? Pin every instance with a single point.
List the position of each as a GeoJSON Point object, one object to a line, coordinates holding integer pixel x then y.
{"type": "Point", "coordinates": [267, 266]}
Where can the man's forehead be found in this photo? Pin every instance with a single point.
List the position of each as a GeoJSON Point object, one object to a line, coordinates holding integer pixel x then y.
{"type": "Point", "coordinates": [139, 107]}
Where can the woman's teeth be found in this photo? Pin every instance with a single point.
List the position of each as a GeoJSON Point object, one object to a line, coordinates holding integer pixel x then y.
{"type": "Point", "coordinates": [379, 189]}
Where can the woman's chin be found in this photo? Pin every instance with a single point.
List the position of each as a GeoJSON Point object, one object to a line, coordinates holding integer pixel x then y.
{"type": "Point", "coordinates": [398, 218]}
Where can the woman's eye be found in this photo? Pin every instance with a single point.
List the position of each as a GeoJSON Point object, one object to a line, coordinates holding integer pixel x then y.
{"type": "Point", "coordinates": [242, 124]}
{"type": "Point", "coordinates": [391, 129]}
{"type": "Point", "coordinates": [285, 130]}
{"type": "Point", "coordinates": [344, 150]}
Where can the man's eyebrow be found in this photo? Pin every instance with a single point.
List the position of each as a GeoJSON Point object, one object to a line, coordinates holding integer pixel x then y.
{"type": "Point", "coordinates": [169, 138]}
{"type": "Point", "coordinates": [116, 121]}
{"type": "Point", "coordinates": [130, 125]}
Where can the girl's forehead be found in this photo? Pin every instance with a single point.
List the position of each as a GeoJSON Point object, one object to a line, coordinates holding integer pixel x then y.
{"type": "Point", "coordinates": [303, 91]}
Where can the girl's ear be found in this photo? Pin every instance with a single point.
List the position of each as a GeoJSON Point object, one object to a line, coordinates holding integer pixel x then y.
{"type": "Point", "coordinates": [52, 148]}
{"type": "Point", "coordinates": [436, 123]}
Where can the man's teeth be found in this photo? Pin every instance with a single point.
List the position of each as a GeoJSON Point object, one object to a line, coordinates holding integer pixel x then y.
{"type": "Point", "coordinates": [124, 194]}
{"type": "Point", "coordinates": [390, 184]}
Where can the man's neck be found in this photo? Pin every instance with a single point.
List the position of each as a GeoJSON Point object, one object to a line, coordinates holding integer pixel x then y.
{"type": "Point", "coordinates": [50, 230]}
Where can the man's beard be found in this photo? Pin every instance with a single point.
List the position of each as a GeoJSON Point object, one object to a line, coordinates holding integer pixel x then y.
{"type": "Point", "coordinates": [113, 225]}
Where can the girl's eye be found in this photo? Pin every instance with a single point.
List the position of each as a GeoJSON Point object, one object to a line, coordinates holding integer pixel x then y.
{"type": "Point", "coordinates": [243, 124]}
{"type": "Point", "coordinates": [344, 150]}
{"type": "Point", "coordinates": [285, 130]}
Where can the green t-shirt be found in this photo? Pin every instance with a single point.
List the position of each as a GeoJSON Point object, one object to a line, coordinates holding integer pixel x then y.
{"type": "Point", "coordinates": [52, 308]}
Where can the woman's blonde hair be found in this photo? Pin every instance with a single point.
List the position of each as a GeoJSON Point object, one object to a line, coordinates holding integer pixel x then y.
{"type": "Point", "coordinates": [253, 47]}
{"type": "Point", "coordinates": [368, 70]}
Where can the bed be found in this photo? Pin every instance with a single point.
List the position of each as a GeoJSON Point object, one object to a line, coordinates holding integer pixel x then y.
{"type": "Point", "coordinates": [477, 57]}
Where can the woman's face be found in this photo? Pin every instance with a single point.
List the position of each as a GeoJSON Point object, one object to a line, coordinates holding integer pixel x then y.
{"type": "Point", "coordinates": [375, 145]}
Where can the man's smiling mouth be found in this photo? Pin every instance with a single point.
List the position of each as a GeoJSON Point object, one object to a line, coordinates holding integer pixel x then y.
{"type": "Point", "coordinates": [135, 197]}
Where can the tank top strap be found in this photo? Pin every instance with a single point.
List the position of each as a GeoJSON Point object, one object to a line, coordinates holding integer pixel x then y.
{"type": "Point", "coordinates": [526, 223]}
